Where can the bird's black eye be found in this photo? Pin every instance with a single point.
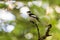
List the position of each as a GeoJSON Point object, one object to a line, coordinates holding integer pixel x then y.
{"type": "Point", "coordinates": [28, 11]}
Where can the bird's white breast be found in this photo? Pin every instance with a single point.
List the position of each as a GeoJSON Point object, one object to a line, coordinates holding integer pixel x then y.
{"type": "Point", "coordinates": [24, 13]}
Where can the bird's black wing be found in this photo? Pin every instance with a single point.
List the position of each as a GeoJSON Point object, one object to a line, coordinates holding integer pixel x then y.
{"type": "Point", "coordinates": [34, 16]}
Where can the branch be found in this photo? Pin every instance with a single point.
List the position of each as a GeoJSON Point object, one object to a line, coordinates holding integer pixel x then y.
{"type": "Point", "coordinates": [47, 32]}
{"type": "Point", "coordinates": [37, 29]}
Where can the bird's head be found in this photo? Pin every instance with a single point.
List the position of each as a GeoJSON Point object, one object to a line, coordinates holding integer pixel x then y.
{"type": "Point", "coordinates": [29, 12]}
{"type": "Point", "coordinates": [24, 9]}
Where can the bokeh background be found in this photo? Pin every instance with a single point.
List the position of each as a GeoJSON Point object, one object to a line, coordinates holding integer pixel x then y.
{"type": "Point", "coordinates": [14, 27]}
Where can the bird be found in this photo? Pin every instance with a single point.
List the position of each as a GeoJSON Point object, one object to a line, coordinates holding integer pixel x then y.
{"type": "Point", "coordinates": [27, 14]}
{"type": "Point", "coordinates": [33, 15]}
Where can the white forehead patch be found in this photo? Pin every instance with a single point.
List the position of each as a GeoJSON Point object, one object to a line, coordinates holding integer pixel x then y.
{"type": "Point", "coordinates": [24, 10]}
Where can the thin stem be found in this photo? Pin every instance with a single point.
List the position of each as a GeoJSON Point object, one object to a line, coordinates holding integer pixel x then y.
{"type": "Point", "coordinates": [47, 32]}
{"type": "Point", "coordinates": [37, 29]}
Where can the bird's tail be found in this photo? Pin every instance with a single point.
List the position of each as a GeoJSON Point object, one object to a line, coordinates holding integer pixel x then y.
{"type": "Point", "coordinates": [39, 20]}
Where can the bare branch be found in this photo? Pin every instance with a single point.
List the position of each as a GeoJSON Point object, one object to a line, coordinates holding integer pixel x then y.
{"type": "Point", "coordinates": [47, 32]}
{"type": "Point", "coordinates": [37, 29]}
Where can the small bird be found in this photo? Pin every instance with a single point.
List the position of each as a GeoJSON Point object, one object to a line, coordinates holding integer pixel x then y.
{"type": "Point", "coordinates": [26, 13]}
{"type": "Point", "coordinates": [33, 15]}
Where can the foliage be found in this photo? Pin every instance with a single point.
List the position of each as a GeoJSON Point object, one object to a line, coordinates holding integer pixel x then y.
{"type": "Point", "coordinates": [24, 27]}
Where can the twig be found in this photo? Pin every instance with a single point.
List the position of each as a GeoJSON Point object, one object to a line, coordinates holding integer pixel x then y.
{"type": "Point", "coordinates": [37, 29]}
{"type": "Point", "coordinates": [47, 32]}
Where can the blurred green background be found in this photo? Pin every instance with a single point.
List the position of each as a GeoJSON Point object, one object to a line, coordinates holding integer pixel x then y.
{"type": "Point", "coordinates": [24, 29]}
